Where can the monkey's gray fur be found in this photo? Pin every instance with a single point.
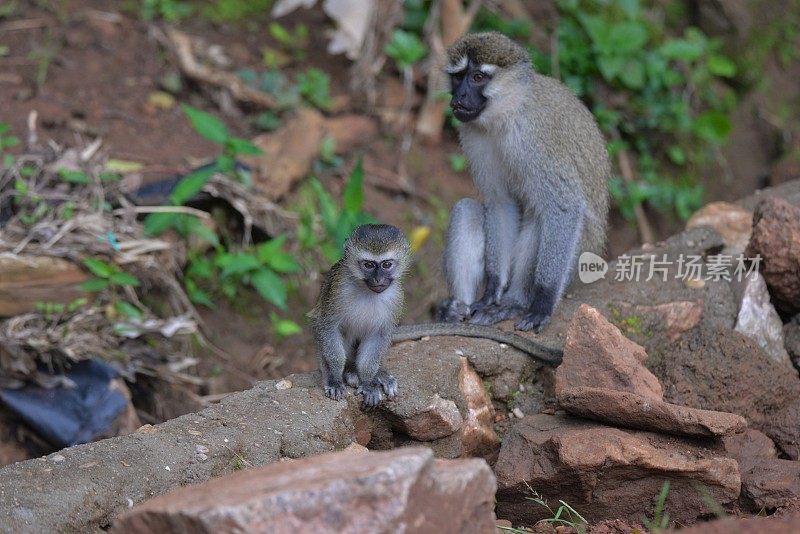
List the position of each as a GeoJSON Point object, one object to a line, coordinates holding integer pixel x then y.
{"type": "Point", "coordinates": [357, 311]}
{"type": "Point", "coordinates": [540, 163]}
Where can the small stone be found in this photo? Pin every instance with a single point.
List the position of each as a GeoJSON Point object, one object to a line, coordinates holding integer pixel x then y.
{"type": "Point", "coordinates": [503, 346]}
{"type": "Point", "coordinates": [283, 384]}
{"type": "Point", "coordinates": [694, 283]}
{"type": "Point", "coordinates": [57, 458]}
{"type": "Point", "coordinates": [201, 449]}
{"type": "Point", "coordinates": [518, 413]}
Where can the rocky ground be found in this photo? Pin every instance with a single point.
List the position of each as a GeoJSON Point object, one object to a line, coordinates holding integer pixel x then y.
{"type": "Point", "coordinates": [658, 384]}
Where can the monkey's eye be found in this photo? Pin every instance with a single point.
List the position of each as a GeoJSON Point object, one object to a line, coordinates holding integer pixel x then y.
{"type": "Point", "coordinates": [369, 265]}
{"type": "Point", "coordinates": [386, 265]}
{"type": "Point", "coordinates": [478, 77]}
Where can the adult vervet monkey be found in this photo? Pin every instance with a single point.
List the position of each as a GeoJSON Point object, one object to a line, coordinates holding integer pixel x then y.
{"type": "Point", "coordinates": [540, 163]}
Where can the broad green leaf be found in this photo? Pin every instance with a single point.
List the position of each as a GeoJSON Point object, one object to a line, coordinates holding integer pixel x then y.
{"type": "Point", "coordinates": [197, 295]}
{"type": "Point", "coordinates": [128, 310]}
{"type": "Point", "coordinates": [203, 232]}
{"type": "Point", "coordinates": [721, 66]}
{"type": "Point", "coordinates": [243, 146]}
{"type": "Point", "coordinates": [631, 8]}
{"type": "Point", "coordinates": [158, 223]}
{"type": "Point", "coordinates": [200, 268]}
{"type": "Point", "coordinates": [405, 48]}
{"type": "Point", "coordinates": [610, 66]}
{"type": "Point", "coordinates": [99, 267]}
{"type": "Point", "coordinates": [284, 327]}
{"type": "Point", "coordinates": [124, 279]}
{"type": "Point", "coordinates": [94, 285]}
{"type": "Point", "coordinates": [239, 263]}
{"type": "Point", "coordinates": [269, 286]}
{"type": "Point", "coordinates": [207, 125]}
{"type": "Point", "coordinates": [353, 196]}
{"type": "Point", "coordinates": [682, 49]}
{"type": "Point", "coordinates": [74, 177]}
{"type": "Point", "coordinates": [712, 126]}
{"type": "Point", "coordinates": [628, 37]}
{"type": "Point", "coordinates": [191, 184]}
{"type": "Point", "coordinates": [327, 208]}
{"type": "Point", "coordinates": [633, 75]}
{"type": "Point", "coordinates": [676, 155]}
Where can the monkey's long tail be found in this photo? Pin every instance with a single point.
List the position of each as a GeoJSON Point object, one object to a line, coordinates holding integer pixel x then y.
{"type": "Point", "coordinates": [544, 353]}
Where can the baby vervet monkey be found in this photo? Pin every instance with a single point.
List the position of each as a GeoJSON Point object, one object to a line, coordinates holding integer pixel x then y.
{"type": "Point", "coordinates": [360, 302]}
{"type": "Point", "coordinates": [540, 163]}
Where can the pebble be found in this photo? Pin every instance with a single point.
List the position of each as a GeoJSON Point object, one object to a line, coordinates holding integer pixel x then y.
{"type": "Point", "coordinates": [694, 283]}
{"type": "Point", "coordinates": [503, 346]}
{"type": "Point", "coordinates": [459, 352]}
{"type": "Point", "coordinates": [284, 384]}
{"type": "Point", "coordinates": [518, 413]}
{"type": "Point", "coordinates": [58, 458]}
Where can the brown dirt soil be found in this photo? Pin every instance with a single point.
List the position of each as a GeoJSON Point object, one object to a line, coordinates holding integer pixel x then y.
{"type": "Point", "coordinates": [98, 63]}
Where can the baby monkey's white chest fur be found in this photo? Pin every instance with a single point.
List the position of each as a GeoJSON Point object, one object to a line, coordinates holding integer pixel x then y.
{"type": "Point", "coordinates": [366, 312]}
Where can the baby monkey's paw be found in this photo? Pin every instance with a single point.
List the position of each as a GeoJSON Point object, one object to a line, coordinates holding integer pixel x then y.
{"type": "Point", "coordinates": [335, 391]}
{"type": "Point", "coordinates": [351, 379]}
{"type": "Point", "coordinates": [371, 394]}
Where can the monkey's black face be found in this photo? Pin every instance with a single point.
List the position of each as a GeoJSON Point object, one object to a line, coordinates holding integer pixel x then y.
{"type": "Point", "coordinates": [378, 275]}
{"type": "Point", "coordinates": [468, 85]}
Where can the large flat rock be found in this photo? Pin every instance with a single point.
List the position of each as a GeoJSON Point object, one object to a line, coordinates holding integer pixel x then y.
{"type": "Point", "coordinates": [404, 490]}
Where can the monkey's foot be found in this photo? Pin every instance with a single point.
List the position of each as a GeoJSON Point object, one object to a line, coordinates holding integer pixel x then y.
{"type": "Point", "coordinates": [335, 391]}
{"type": "Point", "coordinates": [371, 394]}
{"type": "Point", "coordinates": [495, 313]}
{"type": "Point", "coordinates": [452, 310]}
{"type": "Point", "coordinates": [532, 321]}
{"type": "Point", "coordinates": [351, 379]}
{"type": "Point", "coordinates": [388, 383]}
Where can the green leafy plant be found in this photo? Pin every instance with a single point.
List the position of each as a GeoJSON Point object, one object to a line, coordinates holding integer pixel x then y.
{"type": "Point", "coordinates": [458, 162]}
{"type": "Point", "coordinates": [565, 515]}
{"type": "Point", "coordinates": [211, 128]}
{"type": "Point", "coordinates": [324, 226]}
{"type": "Point", "coordinates": [405, 48]}
{"type": "Point", "coordinates": [55, 309]}
{"type": "Point", "coordinates": [7, 141]}
{"type": "Point", "coordinates": [294, 41]}
{"type": "Point", "coordinates": [660, 520]}
{"type": "Point", "coordinates": [169, 10]}
{"type": "Point", "coordinates": [314, 87]}
{"type": "Point", "coordinates": [328, 159]}
{"type": "Point", "coordinates": [107, 276]}
{"type": "Point", "coordinates": [235, 10]}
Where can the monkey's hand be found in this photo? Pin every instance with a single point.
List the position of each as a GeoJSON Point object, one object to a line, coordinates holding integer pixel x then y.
{"type": "Point", "coordinates": [452, 310]}
{"type": "Point", "coordinates": [371, 394]}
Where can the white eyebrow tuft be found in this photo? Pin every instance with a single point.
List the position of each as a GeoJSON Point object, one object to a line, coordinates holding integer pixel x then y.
{"type": "Point", "coordinates": [452, 68]}
{"type": "Point", "coordinates": [488, 68]}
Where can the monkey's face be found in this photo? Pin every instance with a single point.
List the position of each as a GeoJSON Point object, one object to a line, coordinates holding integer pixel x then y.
{"type": "Point", "coordinates": [468, 85]}
{"type": "Point", "coordinates": [378, 273]}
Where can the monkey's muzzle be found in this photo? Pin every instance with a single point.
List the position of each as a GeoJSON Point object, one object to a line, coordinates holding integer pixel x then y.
{"type": "Point", "coordinates": [378, 287]}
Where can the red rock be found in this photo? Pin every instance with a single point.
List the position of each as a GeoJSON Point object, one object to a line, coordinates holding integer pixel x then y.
{"type": "Point", "coordinates": [730, 221]}
{"type": "Point", "coordinates": [752, 525]}
{"type": "Point", "coordinates": [776, 238]}
{"type": "Point", "coordinates": [480, 439]}
{"type": "Point", "coordinates": [758, 319]}
{"type": "Point", "coordinates": [441, 418]}
{"type": "Point", "coordinates": [630, 410]}
{"type": "Point", "coordinates": [596, 354]}
{"type": "Point", "coordinates": [767, 481]}
{"type": "Point", "coordinates": [401, 490]}
{"type": "Point", "coordinates": [671, 318]}
{"type": "Point", "coordinates": [720, 369]}
{"type": "Point", "coordinates": [606, 473]}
